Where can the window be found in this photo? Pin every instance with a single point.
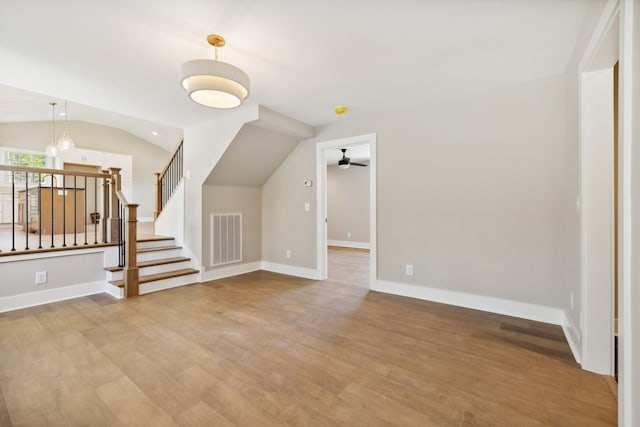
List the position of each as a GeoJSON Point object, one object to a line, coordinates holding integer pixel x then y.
{"type": "Point", "coordinates": [16, 157]}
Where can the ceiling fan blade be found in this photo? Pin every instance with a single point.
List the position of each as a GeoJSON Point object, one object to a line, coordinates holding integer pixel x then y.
{"type": "Point", "coordinates": [358, 164]}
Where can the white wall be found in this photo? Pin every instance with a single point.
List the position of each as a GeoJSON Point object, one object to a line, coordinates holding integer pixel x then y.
{"type": "Point", "coordinates": [204, 144]}
{"type": "Point", "coordinates": [235, 199]}
{"type": "Point", "coordinates": [348, 204]}
{"type": "Point", "coordinates": [471, 192]}
{"type": "Point", "coordinates": [285, 223]}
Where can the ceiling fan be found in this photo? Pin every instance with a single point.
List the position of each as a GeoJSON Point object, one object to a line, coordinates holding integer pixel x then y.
{"type": "Point", "coordinates": [345, 161]}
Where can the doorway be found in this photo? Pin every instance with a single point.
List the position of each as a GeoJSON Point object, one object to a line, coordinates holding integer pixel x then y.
{"type": "Point", "coordinates": [322, 149]}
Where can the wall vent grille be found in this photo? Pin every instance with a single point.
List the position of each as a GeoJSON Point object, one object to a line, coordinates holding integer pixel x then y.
{"type": "Point", "coordinates": [226, 238]}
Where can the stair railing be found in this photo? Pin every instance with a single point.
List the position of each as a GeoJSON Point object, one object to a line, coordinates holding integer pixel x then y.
{"type": "Point", "coordinates": [51, 209]}
{"type": "Point", "coordinates": [168, 180]}
{"type": "Point", "coordinates": [124, 224]}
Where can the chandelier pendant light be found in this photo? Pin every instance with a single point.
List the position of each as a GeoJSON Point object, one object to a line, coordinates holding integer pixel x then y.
{"type": "Point", "coordinates": [214, 83]}
{"type": "Point", "coordinates": [65, 142]}
{"type": "Point", "coordinates": [52, 148]}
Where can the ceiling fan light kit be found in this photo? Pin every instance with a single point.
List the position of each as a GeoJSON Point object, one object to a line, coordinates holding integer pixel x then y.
{"type": "Point", "coordinates": [345, 161]}
{"type": "Point", "coordinates": [214, 83]}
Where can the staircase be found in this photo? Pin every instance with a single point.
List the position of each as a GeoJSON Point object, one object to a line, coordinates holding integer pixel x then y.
{"type": "Point", "coordinates": [161, 266]}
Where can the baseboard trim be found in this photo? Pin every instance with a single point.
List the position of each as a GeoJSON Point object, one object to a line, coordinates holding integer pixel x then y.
{"type": "Point", "coordinates": [16, 302]}
{"type": "Point", "coordinates": [291, 270]}
{"type": "Point", "coordinates": [571, 334]}
{"type": "Point", "coordinates": [231, 270]}
{"type": "Point", "coordinates": [523, 310]}
{"type": "Point", "coordinates": [348, 244]}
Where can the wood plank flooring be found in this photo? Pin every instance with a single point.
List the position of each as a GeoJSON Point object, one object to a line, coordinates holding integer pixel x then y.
{"type": "Point", "coordinates": [264, 349]}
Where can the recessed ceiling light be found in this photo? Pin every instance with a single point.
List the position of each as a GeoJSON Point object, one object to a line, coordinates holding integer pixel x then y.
{"type": "Point", "coordinates": [154, 133]}
{"type": "Point", "coordinates": [62, 114]}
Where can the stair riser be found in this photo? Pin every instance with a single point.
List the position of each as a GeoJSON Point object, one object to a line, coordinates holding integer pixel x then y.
{"type": "Point", "coordinates": [156, 244]}
{"type": "Point", "coordinates": [174, 282]}
{"type": "Point", "coordinates": [157, 255]}
{"type": "Point", "coordinates": [164, 268]}
{"type": "Point", "coordinates": [115, 291]}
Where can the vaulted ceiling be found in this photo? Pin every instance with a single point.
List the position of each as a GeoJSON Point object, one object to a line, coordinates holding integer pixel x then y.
{"type": "Point", "coordinates": [303, 57]}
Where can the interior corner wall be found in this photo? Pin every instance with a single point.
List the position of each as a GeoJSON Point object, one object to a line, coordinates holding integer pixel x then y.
{"type": "Point", "coordinates": [203, 147]}
{"type": "Point", "coordinates": [286, 225]}
{"type": "Point", "coordinates": [348, 204]}
{"type": "Point", "coordinates": [471, 192]}
{"type": "Point", "coordinates": [235, 199]}
{"type": "Point", "coordinates": [147, 158]}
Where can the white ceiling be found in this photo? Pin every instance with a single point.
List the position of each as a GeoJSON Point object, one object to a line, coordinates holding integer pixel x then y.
{"type": "Point", "coordinates": [303, 57]}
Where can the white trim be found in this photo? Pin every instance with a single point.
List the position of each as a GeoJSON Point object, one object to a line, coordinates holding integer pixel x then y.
{"type": "Point", "coordinates": [349, 244]}
{"type": "Point", "coordinates": [115, 291]}
{"type": "Point", "coordinates": [321, 202]}
{"type": "Point", "coordinates": [629, 336]}
{"type": "Point", "coordinates": [16, 302]}
{"type": "Point", "coordinates": [232, 270]}
{"type": "Point", "coordinates": [70, 251]}
{"type": "Point", "coordinates": [144, 218]}
{"type": "Point", "coordinates": [596, 348]}
{"type": "Point", "coordinates": [609, 13]}
{"type": "Point", "coordinates": [519, 309]}
{"type": "Point", "coordinates": [292, 270]}
{"type": "Point", "coordinates": [572, 335]}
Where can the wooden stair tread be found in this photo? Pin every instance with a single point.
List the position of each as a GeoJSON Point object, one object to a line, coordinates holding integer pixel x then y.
{"type": "Point", "coordinates": [151, 263]}
{"type": "Point", "coordinates": [153, 238]}
{"type": "Point", "coordinates": [158, 248]}
{"type": "Point", "coordinates": [158, 276]}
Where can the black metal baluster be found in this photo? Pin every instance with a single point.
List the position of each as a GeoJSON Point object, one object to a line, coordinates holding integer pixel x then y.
{"type": "Point", "coordinates": [26, 210]}
{"type": "Point", "coordinates": [39, 211]}
{"type": "Point", "coordinates": [105, 197]}
{"type": "Point", "coordinates": [13, 211]}
{"type": "Point", "coordinates": [84, 210]}
{"type": "Point", "coordinates": [75, 211]}
{"type": "Point", "coordinates": [64, 211]}
{"type": "Point", "coordinates": [95, 209]}
{"type": "Point", "coordinates": [51, 230]}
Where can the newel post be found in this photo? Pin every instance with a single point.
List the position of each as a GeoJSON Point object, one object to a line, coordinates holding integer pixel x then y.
{"type": "Point", "coordinates": [158, 209]}
{"type": "Point", "coordinates": [131, 273]}
{"type": "Point", "coordinates": [114, 214]}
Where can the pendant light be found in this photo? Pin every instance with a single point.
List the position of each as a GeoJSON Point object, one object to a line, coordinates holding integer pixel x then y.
{"type": "Point", "coordinates": [65, 142]}
{"type": "Point", "coordinates": [52, 148]}
{"type": "Point", "coordinates": [214, 83]}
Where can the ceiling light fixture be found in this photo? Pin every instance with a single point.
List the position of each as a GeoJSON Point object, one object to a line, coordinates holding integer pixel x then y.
{"type": "Point", "coordinates": [52, 148]}
{"type": "Point", "coordinates": [65, 142]}
{"type": "Point", "coordinates": [214, 83]}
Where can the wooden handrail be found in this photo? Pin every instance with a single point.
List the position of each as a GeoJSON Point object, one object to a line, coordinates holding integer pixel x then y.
{"type": "Point", "coordinates": [43, 171]}
{"type": "Point", "coordinates": [175, 153]}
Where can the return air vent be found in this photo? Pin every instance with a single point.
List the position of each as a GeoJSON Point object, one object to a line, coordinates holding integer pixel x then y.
{"type": "Point", "coordinates": [226, 238]}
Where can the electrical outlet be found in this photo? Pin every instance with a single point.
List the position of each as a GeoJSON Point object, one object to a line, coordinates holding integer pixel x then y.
{"type": "Point", "coordinates": [288, 254]}
{"type": "Point", "coordinates": [41, 277]}
{"type": "Point", "coordinates": [408, 269]}
{"type": "Point", "coordinates": [348, 234]}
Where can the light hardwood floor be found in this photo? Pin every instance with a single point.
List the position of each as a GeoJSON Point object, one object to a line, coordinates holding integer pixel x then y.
{"type": "Point", "coordinates": [264, 349]}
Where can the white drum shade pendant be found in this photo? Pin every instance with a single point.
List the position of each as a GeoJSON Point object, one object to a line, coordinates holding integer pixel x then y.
{"type": "Point", "coordinates": [214, 83]}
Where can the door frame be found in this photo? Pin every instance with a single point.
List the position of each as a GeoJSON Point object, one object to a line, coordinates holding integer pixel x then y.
{"type": "Point", "coordinates": [321, 202]}
{"type": "Point", "coordinates": [596, 308]}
